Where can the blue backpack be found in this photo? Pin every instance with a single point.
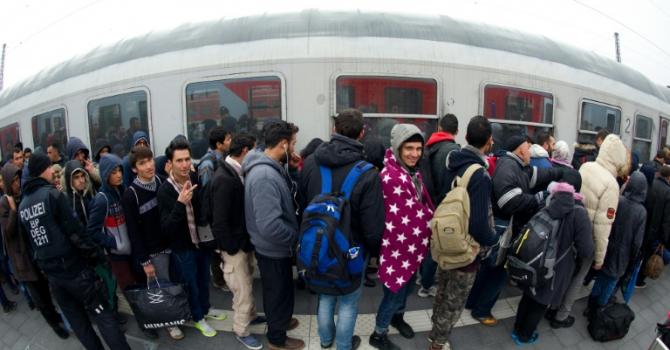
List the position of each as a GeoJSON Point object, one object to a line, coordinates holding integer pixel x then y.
{"type": "Point", "coordinates": [328, 258]}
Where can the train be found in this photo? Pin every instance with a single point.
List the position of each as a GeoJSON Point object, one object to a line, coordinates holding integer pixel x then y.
{"type": "Point", "coordinates": [305, 67]}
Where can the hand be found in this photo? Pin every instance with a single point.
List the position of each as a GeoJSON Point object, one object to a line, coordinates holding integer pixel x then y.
{"type": "Point", "coordinates": [186, 193]}
{"type": "Point", "coordinates": [597, 267]}
{"type": "Point", "coordinates": [150, 271]}
{"type": "Point", "coordinates": [12, 203]}
{"type": "Point", "coordinates": [88, 165]}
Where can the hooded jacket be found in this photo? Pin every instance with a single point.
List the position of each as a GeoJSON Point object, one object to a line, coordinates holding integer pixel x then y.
{"type": "Point", "coordinates": [269, 208]}
{"type": "Point", "coordinates": [658, 213]}
{"type": "Point", "coordinates": [539, 157]}
{"type": "Point", "coordinates": [228, 225]}
{"type": "Point", "coordinates": [439, 145]}
{"type": "Point", "coordinates": [340, 155]}
{"type": "Point", "coordinates": [601, 190]}
{"type": "Point", "coordinates": [574, 230]}
{"type": "Point", "coordinates": [408, 210]}
{"type": "Point", "coordinates": [628, 229]}
{"type": "Point", "coordinates": [75, 144]}
{"type": "Point", "coordinates": [106, 221]}
{"type": "Point", "coordinates": [128, 175]}
{"type": "Point", "coordinates": [584, 152]}
{"type": "Point", "coordinates": [80, 200]}
{"type": "Point", "coordinates": [15, 244]}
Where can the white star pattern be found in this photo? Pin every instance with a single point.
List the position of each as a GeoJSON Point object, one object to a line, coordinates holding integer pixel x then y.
{"type": "Point", "coordinates": [381, 259]}
{"type": "Point", "coordinates": [394, 209]}
{"type": "Point", "coordinates": [425, 242]}
{"type": "Point", "coordinates": [409, 202]}
{"type": "Point", "coordinates": [401, 238]}
{"type": "Point", "coordinates": [399, 280]}
{"type": "Point", "coordinates": [416, 231]}
{"type": "Point", "coordinates": [385, 242]}
{"type": "Point", "coordinates": [389, 226]}
{"type": "Point", "coordinates": [387, 178]}
{"type": "Point", "coordinates": [395, 254]}
{"type": "Point", "coordinates": [397, 190]}
{"type": "Point", "coordinates": [427, 224]}
{"type": "Point", "coordinates": [403, 178]}
{"type": "Point", "coordinates": [390, 270]}
{"type": "Point", "coordinates": [405, 220]}
{"type": "Point", "coordinates": [420, 214]}
{"type": "Point", "coordinates": [411, 248]}
{"type": "Point", "coordinates": [419, 258]}
{"type": "Point", "coordinates": [405, 264]}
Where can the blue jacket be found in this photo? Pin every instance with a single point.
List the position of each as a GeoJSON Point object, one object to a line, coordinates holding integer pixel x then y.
{"type": "Point", "coordinates": [74, 144]}
{"type": "Point", "coordinates": [269, 207]}
{"type": "Point", "coordinates": [106, 203]}
{"type": "Point", "coordinates": [128, 175]}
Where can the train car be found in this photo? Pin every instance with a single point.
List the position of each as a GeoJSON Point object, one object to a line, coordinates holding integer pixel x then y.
{"type": "Point", "coordinates": [305, 67]}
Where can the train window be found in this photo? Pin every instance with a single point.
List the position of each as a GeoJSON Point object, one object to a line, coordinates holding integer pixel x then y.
{"type": "Point", "coordinates": [518, 105]}
{"type": "Point", "coordinates": [503, 131]}
{"type": "Point", "coordinates": [642, 138]}
{"type": "Point", "coordinates": [597, 116]}
{"type": "Point", "coordinates": [387, 95]}
{"type": "Point", "coordinates": [113, 120]}
{"type": "Point", "coordinates": [49, 128]}
{"type": "Point", "coordinates": [379, 129]}
{"type": "Point", "coordinates": [236, 104]}
{"type": "Point", "coordinates": [9, 136]}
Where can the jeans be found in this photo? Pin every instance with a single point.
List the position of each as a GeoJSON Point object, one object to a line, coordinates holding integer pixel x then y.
{"type": "Point", "coordinates": [392, 304]}
{"type": "Point", "coordinates": [193, 269]}
{"type": "Point", "coordinates": [278, 296]}
{"type": "Point", "coordinates": [528, 316]}
{"type": "Point", "coordinates": [347, 312]}
{"type": "Point", "coordinates": [427, 271]}
{"type": "Point", "coordinates": [486, 289]}
{"type": "Point", "coordinates": [603, 288]}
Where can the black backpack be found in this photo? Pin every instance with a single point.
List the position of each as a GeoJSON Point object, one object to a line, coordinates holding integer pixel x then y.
{"type": "Point", "coordinates": [611, 322]}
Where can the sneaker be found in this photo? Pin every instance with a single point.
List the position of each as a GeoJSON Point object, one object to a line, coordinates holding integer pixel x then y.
{"type": "Point", "coordinates": [250, 342]}
{"type": "Point", "coordinates": [355, 342]}
{"type": "Point", "coordinates": [436, 346]}
{"type": "Point", "coordinates": [382, 342]}
{"type": "Point", "coordinates": [150, 333]}
{"type": "Point", "coordinates": [290, 344]}
{"type": "Point", "coordinates": [520, 342]}
{"type": "Point", "coordinates": [258, 320]}
{"type": "Point", "coordinates": [640, 285]}
{"type": "Point", "coordinates": [293, 324]}
{"type": "Point", "coordinates": [205, 328]}
{"type": "Point", "coordinates": [405, 329]}
{"type": "Point", "coordinates": [9, 307]}
{"type": "Point", "coordinates": [175, 333]}
{"type": "Point", "coordinates": [567, 323]}
{"type": "Point", "coordinates": [216, 314]}
{"type": "Point", "coordinates": [488, 321]}
{"type": "Point", "coordinates": [425, 293]}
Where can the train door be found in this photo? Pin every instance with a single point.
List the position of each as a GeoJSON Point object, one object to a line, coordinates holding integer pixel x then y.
{"type": "Point", "coordinates": [663, 132]}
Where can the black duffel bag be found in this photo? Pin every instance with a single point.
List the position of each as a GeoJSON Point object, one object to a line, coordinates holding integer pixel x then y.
{"type": "Point", "coordinates": [159, 304]}
{"type": "Point", "coordinates": [611, 322]}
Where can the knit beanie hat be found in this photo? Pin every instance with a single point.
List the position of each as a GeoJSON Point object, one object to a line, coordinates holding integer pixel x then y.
{"type": "Point", "coordinates": [400, 134]}
{"type": "Point", "coordinates": [513, 142]}
{"type": "Point", "coordinates": [38, 163]}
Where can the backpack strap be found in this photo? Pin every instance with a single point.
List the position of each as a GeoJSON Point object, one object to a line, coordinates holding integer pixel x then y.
{"type": "Point", "coordinates": [350, 181]}
{"type": "Point", "coordinates": [326, 179]}
{"type": "Point", "coordinates": [465, 179]}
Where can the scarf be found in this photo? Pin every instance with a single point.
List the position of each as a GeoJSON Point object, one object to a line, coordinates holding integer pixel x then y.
{"type": "Point", "coordinates": [149, 186]}
{"type": "Point", "coordinates": [190, 215]}
{"type": "Point", "coordinates": [238, 168]}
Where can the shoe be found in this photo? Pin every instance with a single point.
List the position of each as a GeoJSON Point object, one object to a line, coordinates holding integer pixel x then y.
{"type": "Point", "coordinates": [425, 293]}
{"type": "Point", "coordinates": [435, 346]}
{"type": "Point", "coordinates": [520, 342]}
{"type": "Point", "coordinates": [488, 321]}
{"type": "Point", "coordinates": [258, 320]}
{"type": "Point", "coordinates": [355, 342]}
{"type": "Point", "coordinates": [9, 307]}
{"type": "Point", "coordinates": [216, 314]}
{"type": "Point", "coordinates": [175, 333]}
{"type": "Point", "coordinates": [250, 342]}
{"type": "Point", "coordinates": [150, 333]}
{"type": "Point", "coordinates": [326, 346]}
{"type": "Point", "coordinates": [205, 328]}
{"type": "Point", "coordinates": [550, 314]}
{"type": "Point", "coordinates": [640, 285]}
{"type": "Point", "coordinates": [382, 342]}
{"type": "Point", "coordinates": [223, 287]}
{"type": "Point", "coordinates": [290, 344]}
{"type": "Point", "coordinates": [293, 324]}
{"type": "Point", "coordinates": [567, 323]}
{"type": "Point", "coordinates": [61, 332]}
{"type": "Point", "coordinates": [405, 329]}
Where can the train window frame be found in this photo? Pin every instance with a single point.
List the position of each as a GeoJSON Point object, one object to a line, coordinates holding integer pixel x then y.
{"type": "Point", "coordinates": [123, 91]}
{"type": "Point", "coordinates": [18, 131]}
{"type": "Point", "coordinates": [596, 102]}
{"type": "Point", "coordinates": [66, 116]}
{"type": "Point", "coordinates": [233, 76]}
{"type": "Point", "coordinates": [650, 141]}
{"type": "Point", "coordinates": [482, 101]}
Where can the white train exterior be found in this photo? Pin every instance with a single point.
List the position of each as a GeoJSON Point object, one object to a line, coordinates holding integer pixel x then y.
{"type": "Point", "coordinates": [304, 65]}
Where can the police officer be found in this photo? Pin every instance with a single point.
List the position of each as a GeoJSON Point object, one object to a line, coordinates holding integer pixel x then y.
{"type": "Point", "coordinates": [65, 253]}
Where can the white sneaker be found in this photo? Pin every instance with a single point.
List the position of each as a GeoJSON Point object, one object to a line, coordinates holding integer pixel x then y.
{"type": "Point", "coordinates": [175, 333]}
{"type": "Point", "coordinates": [205, 328]}
{"type": "Point", "coordinates": [216, 314]}
{"type": "Point", "coordinates": [425, 293]}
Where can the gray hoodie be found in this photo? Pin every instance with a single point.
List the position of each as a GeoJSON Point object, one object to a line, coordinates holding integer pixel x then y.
{"type": "Point", "coordinates": [270, 212]}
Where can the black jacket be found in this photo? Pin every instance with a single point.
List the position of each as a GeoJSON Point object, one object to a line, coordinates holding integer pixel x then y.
{"type": "Point", "coordinates": [367, 201]}
{"type": "Point", "coordinates": [437, 153]}
{"type": "Point", "coordinates": [628, 228]}
{"type": "Point", "coordinates": [575, 230]}
{"type": "Point", "coordinates": [174, 222]}
{"type": "Point", "coordinates": [584, 152]}
{"type": "Point", "coordinates": [658, 213]}
{"type": "Point", "coordinates": [79, 200]}
{"type": "Point", "coordinates": [60, 245]}
{"type": "Point", "coordinates": [228, 223]}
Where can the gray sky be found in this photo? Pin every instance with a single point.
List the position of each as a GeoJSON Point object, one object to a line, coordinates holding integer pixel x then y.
{"type": "Point", "coordinates": [42, 33]}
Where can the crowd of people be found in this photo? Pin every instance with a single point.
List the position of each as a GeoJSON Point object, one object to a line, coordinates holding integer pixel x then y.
{"type": "Point", "coordinates": [77, 227]}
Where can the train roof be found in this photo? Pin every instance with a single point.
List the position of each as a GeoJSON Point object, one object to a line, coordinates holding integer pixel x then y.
{"type": "Point", "coordinates": [315, 23]}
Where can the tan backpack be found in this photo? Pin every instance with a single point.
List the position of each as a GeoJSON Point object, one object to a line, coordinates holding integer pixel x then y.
{"type": "Point", "coordinates": [452, 246]}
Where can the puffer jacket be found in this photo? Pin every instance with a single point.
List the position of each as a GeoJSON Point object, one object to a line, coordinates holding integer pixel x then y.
{"type": "Point", "coordinates": [539, 157]}
{"type": "Point", "coordinates": [601, 190]}
{"type": "Point", "coordinates": [628, 228]}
